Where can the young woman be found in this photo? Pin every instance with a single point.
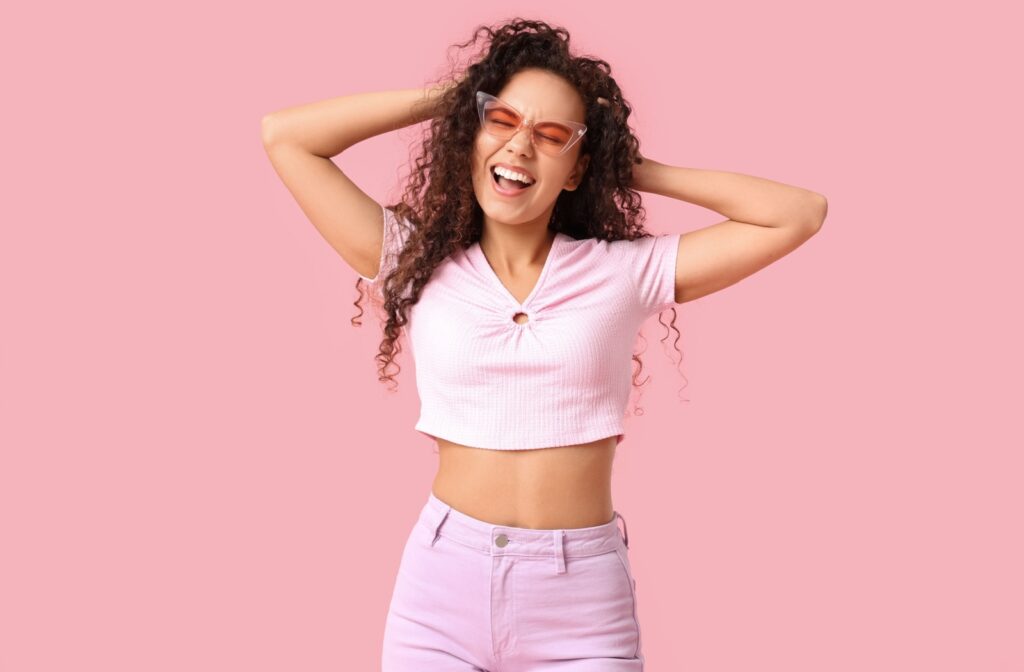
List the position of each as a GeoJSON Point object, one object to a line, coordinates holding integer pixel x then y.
{"type": "Point", "coordinates": [517, 263]}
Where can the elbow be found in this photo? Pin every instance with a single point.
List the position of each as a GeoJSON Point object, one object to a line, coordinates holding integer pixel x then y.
{"type": "Point", "coordinates": [816, 212]}
{"type": "Point", "coordinates": [266, 130]}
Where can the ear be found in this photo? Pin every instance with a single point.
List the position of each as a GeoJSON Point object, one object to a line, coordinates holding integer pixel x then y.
{"type": "Point", "coordinates": [577, 174]}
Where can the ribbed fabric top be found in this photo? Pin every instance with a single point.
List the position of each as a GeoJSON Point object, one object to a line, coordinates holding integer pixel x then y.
{"type": "Point", "coordinates": [564, 376]}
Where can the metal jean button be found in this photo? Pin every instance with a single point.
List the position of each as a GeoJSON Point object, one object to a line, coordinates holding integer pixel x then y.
{"type": "Point", "coordinates": [501, 540]}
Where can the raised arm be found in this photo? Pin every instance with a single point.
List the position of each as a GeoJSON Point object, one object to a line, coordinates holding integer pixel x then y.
{"type": "Point", "coordinates": [767, 220]}
{"type": "Point", "coordinates": [300, 142]}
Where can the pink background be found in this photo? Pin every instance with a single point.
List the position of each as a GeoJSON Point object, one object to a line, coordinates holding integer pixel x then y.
{"type": "Point", "coordinates": [200, 471]}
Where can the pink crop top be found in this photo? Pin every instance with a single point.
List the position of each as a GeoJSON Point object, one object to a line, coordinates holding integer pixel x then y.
{"type": "Point", "coordinates": [562, 377]}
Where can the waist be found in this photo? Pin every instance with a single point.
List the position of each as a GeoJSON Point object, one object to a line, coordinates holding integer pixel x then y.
{"type": "Point", "coordinates": [544, 488]}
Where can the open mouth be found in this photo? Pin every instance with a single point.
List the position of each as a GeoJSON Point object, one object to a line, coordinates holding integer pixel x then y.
{"type": "Point", "coordinates": [509, 184]}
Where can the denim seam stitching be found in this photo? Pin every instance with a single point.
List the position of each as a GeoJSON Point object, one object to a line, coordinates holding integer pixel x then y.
{"type": "Point", "coordinates": [632, 597]}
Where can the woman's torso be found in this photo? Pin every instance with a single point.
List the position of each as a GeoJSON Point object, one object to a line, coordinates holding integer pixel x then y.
{"type": "Point", "coordinates": [544, 488]}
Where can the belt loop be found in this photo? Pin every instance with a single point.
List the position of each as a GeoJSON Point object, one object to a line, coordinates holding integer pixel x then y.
{"type": "Point", "coordinates": [437, 528]}
{"type": "Point", "coordinates": [559, 537]}
{"type": "Point", "coordinates": [625, 532]}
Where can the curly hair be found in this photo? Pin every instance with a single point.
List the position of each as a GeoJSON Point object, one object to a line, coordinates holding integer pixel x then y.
{"type": "Point", "coordinates": [439, 210]}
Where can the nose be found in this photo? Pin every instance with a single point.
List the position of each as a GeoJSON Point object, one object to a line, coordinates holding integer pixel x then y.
{"type": "Point", "coordinates": [522, 141]}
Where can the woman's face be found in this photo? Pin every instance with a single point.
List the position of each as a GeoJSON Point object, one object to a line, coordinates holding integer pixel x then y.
{"type": "Point", "coordinates": [536, 94]}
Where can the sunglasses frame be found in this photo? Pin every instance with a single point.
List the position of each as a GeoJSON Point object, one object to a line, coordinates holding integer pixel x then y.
{"type": "Point", "coordinates": [485, 101]}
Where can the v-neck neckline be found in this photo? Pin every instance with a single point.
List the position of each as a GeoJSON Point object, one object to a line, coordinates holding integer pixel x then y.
{"type": "Point", "coordinates": [489, 270]}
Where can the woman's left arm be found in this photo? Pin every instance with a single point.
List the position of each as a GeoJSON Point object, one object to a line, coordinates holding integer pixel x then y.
{"type": "Point", "coordinates": [767, 220]}
{"type": "Point", "coordinates": [742, 198]}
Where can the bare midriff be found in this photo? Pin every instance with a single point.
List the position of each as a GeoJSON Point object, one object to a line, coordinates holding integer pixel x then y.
{"type": "Point", "coordinates": [543, 488]}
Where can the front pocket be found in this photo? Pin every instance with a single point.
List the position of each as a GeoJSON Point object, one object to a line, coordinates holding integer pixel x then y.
{"type": "Point", "coordinates": [425, 534]}
{"type": "Point", "coordinates": [586, 611]}
{"type": "Point", "coordinates": [624, 559]}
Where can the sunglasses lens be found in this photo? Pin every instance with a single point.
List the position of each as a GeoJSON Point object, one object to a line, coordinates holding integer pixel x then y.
{"type": "Point", "coordinates": [549, 136]}
{"type": "Point", "coordinates": [550, 133]}
{"type": "Point", "coordinates": [500, 121]}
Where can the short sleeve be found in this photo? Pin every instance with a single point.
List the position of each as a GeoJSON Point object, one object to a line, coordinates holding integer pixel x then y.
{"type": "Point", "coordinates": [394, 239]}
{"type": "Point", "coordinates": [651, 263]}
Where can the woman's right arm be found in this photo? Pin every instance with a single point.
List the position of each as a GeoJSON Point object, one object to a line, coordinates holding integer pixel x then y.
{"type": "Point", "coordinates": [300, 142]}
{"type": "Point", "coordinates": [326, 128]}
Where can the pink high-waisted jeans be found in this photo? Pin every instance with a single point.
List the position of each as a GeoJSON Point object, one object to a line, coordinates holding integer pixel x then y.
{"type": "Point", "coordinates": [471, 595]}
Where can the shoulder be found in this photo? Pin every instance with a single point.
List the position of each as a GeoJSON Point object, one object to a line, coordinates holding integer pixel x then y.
{"type": "Point", "coordinates": [648, 263]}
{"type": "Point", "coordinates": [623, 249]}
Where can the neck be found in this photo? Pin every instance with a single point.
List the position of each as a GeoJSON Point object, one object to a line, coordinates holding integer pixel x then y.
{"type": "Point", "coordinates": [510, 248]}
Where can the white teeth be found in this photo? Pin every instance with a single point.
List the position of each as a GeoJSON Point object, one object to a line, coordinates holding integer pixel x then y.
{"type": "Point", "coordinates": [512, 175]}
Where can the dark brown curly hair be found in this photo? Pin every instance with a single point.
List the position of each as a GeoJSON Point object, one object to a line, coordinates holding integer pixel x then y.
{"type": "Point", "coordinates": [439, 204]}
